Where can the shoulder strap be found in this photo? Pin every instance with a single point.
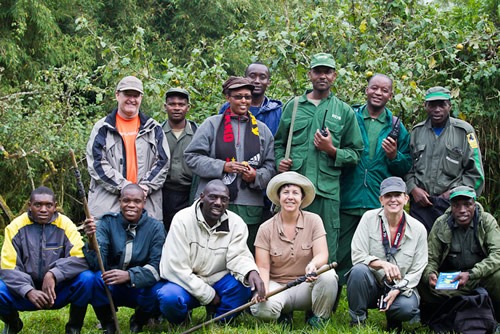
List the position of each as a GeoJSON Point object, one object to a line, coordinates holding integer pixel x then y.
{"type": "Point", "coordinates": [290, 133]}
{"type": "Point", "coordinates": [194, 126]}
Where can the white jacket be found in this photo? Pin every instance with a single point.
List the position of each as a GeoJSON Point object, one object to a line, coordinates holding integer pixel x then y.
{"type": "Point", "coordinates": [196, 256]}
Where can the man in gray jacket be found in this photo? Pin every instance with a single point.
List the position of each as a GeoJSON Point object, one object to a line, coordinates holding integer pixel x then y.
{"type": "Point", "coordinates": [127, 147]}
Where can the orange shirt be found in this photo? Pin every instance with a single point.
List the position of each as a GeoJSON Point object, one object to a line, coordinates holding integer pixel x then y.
{"type": "Point", "coordinates": [128, 129]}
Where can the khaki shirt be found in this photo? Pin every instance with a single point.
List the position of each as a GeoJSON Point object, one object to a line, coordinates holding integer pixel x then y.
{"type": "Point", "coordinates": [289, 258]}
{"type": "Point", "coordinates": [411, 257]}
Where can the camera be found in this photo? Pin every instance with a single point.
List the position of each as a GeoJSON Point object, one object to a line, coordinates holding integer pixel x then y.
{"type": "Point", "coordinates": [382, 305]}
{"type": "Point", "coordinates": [396, 128]}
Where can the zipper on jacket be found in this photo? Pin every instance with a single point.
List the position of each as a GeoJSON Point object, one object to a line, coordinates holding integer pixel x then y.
{"type": "Point", "coordinates": [364, 181]}
{"type": "Point", "coordinates": [40, 262]}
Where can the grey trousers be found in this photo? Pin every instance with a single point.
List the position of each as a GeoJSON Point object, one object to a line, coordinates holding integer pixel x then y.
{"type": "Point", "coordinates": [363, 291]}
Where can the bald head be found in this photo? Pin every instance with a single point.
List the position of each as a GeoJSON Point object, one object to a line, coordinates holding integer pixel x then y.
{"type": "Point", "coordinates": [214, 201]}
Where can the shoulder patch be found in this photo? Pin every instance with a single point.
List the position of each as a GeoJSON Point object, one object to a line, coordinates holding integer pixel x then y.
{"type": "Point", "coordinates": [471, 138]}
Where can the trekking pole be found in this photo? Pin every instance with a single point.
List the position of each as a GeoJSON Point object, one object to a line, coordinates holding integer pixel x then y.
{"type": "Point", "coordinates": [92, 238]}
{"type": "Point", "coordinates": [287, 286]}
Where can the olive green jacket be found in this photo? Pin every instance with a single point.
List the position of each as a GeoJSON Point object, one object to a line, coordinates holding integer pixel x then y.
{"type": "Point", "coordinates": [443, 162]}
{"type": "Point", "coordinates": [488, 234]}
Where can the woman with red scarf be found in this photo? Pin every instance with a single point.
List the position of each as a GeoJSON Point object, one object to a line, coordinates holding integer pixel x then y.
{"type": "Point", "coordinates": [238, 149]}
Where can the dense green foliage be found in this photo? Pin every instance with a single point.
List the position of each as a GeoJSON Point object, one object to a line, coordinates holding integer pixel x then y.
{"type": "Point", "coordinates": [60, 62]}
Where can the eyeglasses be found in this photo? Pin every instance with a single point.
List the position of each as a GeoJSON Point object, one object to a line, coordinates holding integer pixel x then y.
{"type": "Point", "coordinates": [241, 97]}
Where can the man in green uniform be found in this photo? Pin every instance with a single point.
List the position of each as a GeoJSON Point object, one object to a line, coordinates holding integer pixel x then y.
{"type": "Point", "coordinates": [325, 137]}
{"type": "Point", "coordinates": [179, 132]}
{"type": "Point", "coordinates": [465, 239]}
{"type": "Point", "coordinates": [386, 154]}
{"type": "Point", "coordinates": [446, 154]}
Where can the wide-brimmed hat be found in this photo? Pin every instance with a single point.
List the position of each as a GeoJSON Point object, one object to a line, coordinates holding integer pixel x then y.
{"type": "Point", "coordinates": [295, 179]}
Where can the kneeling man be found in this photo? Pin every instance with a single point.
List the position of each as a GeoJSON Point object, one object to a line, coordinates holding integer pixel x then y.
{"type": "Point", "coordinates": [206, 259]}
{"type": "Point", "coordinates": [464, 239]}
{"type": "Point", "coordinates": [43, 266]}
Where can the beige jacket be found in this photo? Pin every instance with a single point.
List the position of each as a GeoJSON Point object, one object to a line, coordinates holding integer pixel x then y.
{"type": "Point", "coordinates": [196, 256]}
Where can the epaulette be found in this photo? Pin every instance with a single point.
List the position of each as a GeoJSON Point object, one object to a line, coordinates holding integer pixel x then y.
{"type": "Point", "coordinates": [461, 124]}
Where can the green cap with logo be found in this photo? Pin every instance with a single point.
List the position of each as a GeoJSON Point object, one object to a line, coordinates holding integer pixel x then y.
{"type": "Point", "coordinates": [322, 59]}
{"type": "Point", "coordinates": [464, 191]}
{"type": "Point", "coordinates": [437, 93]}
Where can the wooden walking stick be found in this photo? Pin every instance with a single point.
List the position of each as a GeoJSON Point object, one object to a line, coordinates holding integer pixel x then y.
{"type": "Point", "coordinates": [92, 238]}
{"type": "Point", "coordinates": [287, 286]}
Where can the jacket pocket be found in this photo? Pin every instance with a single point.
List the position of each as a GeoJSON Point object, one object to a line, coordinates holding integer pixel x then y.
{"type": "Point", "coordinates": [300, 132]}
{"type": "Point", "coordinates": [417, 155]}
{"type": "Point", "coordinates": [328, 178]}
{"type": "Point", "coordinates": [452, 162]}
{"type": "Point", "coordinates": [274, 252]}
{"type": "Point", "coordinates": [307, 245]}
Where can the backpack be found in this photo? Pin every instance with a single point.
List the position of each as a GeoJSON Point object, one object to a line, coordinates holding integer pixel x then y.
{"type": "Point", "coordinates": [468, 314]}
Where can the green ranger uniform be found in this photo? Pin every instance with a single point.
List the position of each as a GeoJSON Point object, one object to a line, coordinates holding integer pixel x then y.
{"type": "Point", "coordinates": [445, 161]}
{"type": "Point", "coordinates": [360, 186]}
{"type": "Point", "coordinates": [444, 250]}
{"type": "Point", "coordinates": [441, 163]}
{"type": "Point", "coordinates": [323, 171]}
{"type": "Point", "coordinates": [177, 186]}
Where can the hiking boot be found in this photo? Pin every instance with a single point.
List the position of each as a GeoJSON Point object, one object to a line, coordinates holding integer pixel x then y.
{"type": "Point", "coordinates": [286, 320]}
{"type": "Point", "coordinates": [138, 320]}
{"type": "Point", "coordinates": [13, 324]}
{"type": "Point", "coordinates": [317, 322]}
{"type": "Point", "coordinates": [394, 325]}
{"type": "Point", "coordinates": [76, 318]}
{"type": "Point", "coordinates": [103, 314]}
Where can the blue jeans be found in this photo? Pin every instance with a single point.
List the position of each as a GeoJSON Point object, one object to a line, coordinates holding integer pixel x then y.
{"type": "Point", "coordinates": [124, 295]}
{"type": "Point", "coordinates": [74, 291]}
{"type": "Point", "coordinates": [176, 302]}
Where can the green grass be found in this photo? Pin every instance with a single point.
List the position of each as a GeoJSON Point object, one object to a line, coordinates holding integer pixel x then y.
{"type": "Point", "coordinates": [54, 322]}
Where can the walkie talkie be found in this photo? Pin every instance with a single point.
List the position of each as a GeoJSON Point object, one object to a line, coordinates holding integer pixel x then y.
{"type": "Point", "coordinates": [396, 128]}
{"type": "Point", "coordinates": [323, 129]}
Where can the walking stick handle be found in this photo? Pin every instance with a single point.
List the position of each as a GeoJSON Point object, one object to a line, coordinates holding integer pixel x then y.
{"type": "Point", "coordinates": [92, 238]}
{"type": "Point", "coordinates": [287, 286]}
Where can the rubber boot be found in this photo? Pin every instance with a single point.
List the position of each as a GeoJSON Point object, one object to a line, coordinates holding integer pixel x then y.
{"type": "Point", "coordinates": [13, 323]}
{"type": "Point", "coordinates": [76, 318]}
{"type": "Point", "coordinates": [103, 314]}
